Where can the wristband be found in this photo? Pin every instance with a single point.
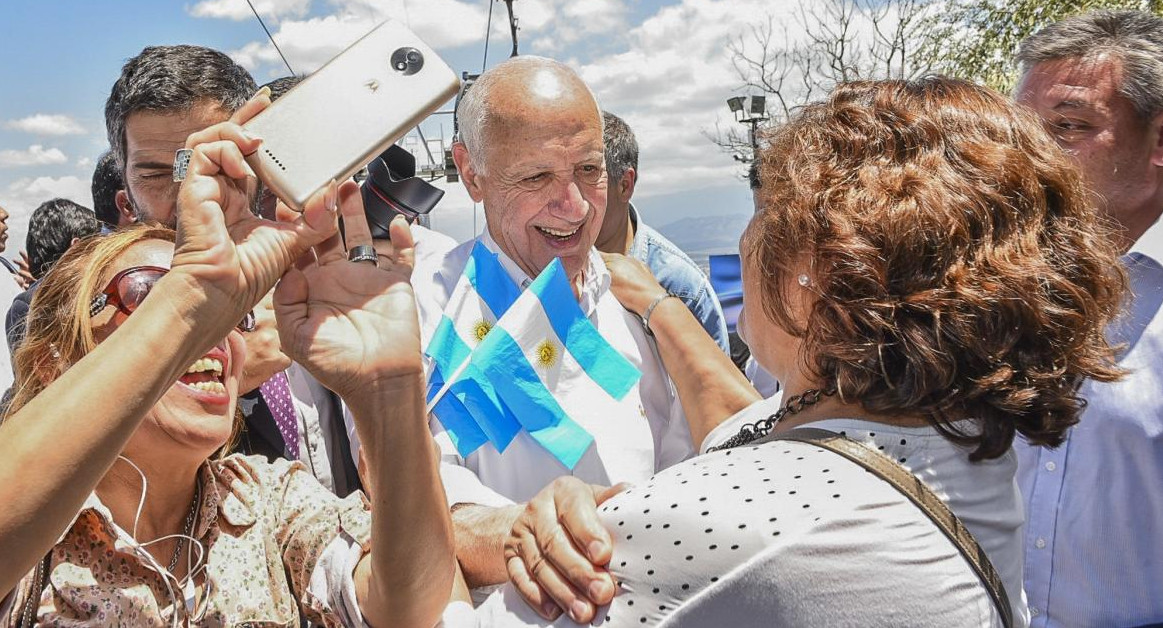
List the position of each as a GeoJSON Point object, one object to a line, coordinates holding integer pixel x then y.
{"type": "Point", "coordinates": [650, 310]}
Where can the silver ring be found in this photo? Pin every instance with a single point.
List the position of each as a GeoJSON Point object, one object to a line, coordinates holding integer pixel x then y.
{"type": "Point", "coordinates": [363, 253]}
{"type": "Point", "coordinates": [182, 163]}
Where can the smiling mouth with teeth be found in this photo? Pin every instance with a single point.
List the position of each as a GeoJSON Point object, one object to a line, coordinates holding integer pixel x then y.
{"type": "Point", "coordinates": [206, 375]}
{"type": "Point", "coordinates": [560, 235]}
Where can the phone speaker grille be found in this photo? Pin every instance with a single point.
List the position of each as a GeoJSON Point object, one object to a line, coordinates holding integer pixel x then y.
{"type": "Point", "coordinates": [277, 161]}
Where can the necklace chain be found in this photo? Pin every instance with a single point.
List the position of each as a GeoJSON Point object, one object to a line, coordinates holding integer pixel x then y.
{"type": "Point", "coordinates": [188, 529]}
{"type": "Point", "coordinates": [754, 431]}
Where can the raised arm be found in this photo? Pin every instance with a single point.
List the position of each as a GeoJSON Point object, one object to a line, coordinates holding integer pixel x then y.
{"type": "Point", "coordinates": [225, 260]}
{"type": "Point", "coordinates": [709, 385]}
{"type": "Point", "coordinates": [354, 326]}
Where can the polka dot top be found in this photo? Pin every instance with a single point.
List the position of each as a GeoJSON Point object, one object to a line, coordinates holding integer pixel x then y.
{"type": "Point", "coordinates": [786, 533]}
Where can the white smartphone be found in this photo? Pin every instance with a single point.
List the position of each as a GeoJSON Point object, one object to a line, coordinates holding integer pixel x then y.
{"type": "Point", "coordinates": [347, 112]}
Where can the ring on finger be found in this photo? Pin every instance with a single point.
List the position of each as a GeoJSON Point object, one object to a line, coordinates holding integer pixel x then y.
{"type": "Point", "coordinates": [363, 253]}
{"type": "Point", "coordinates": [182, 163]}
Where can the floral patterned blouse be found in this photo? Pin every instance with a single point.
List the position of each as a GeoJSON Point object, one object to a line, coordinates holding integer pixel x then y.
{"type": "Point", "coordinates": [278, 544]}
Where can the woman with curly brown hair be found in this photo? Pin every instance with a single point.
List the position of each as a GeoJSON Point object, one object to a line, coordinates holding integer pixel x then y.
{"type": "Point", "coordinates": [925, 276]}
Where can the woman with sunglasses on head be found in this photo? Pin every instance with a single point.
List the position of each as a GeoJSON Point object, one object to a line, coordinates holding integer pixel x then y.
{"type": "Point", "coordinates": [118, 508]}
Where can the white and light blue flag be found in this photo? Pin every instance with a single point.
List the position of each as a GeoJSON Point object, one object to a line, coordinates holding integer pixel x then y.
{"type": "Point", "coordinates": [552, 368]}
{"type": "Point", "coordinates": [470, 410]}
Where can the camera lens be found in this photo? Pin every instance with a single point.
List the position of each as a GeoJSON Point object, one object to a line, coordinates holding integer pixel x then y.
{"type": "Point", "coordinates": [407, 60]}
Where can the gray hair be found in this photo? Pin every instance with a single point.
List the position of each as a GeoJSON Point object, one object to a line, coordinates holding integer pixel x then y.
{"type": "Point", "coordinates": [475, 110]}
{"type": "Point", "coordinates": [1133, 37]}
{"type": "Point", "coordinates": [621, 147]}
{"type": "Point", "coordinates": [173, 79]}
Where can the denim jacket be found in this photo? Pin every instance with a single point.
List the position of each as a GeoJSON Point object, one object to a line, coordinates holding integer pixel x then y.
{"type": "Point", "coordinates": [681, 277]}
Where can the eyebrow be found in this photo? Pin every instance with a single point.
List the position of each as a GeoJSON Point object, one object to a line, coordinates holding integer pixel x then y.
{"type": "Point", "coordinates": [1073, 104]}
{"type": "Point", "coordinates": [152, 165]}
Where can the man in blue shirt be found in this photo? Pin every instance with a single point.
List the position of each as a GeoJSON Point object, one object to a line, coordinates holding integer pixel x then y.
{"type": "Point", "coordinates": [624, 232]}
{"type": "Point", "coordinates": [1093, 555]}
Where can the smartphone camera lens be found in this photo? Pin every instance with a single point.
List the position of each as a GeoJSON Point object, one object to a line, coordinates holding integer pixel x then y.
{"type": "Point", "coordinates": [407, 60]}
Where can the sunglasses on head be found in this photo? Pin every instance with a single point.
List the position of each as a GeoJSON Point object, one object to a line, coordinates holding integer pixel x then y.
{"type": "Point", "coordinates": [128, 288]}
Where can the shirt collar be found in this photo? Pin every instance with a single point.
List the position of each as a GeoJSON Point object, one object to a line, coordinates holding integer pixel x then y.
{"type": "Point", "coordinates": [638, 244]}
{"type": "Point", "coordinates": [1150, 244]}
{"type": "Point", "coordinates": [236, 509]}
{"type": "Point", "coordinates": [595, 284]}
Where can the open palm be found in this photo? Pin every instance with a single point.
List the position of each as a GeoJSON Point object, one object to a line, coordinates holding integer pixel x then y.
{"type": "Point", "coordinates": [352, 324]}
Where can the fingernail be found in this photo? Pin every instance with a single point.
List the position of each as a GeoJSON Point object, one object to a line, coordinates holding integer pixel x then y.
{"type": "Point", "coordinates": [596, 548]}
{"type": "Point", "coordinates": [578, 610]}
{"type": "Point", "coordinates": [597, 590]}
{"type": "Point", "coordinates": [549, 607]}
{"type": "Point", "coordinates": [264, 90]}
{"type": "Point", "coordinates": [250, 135]}
{"type": "Point", "coordinates": [331, 199]}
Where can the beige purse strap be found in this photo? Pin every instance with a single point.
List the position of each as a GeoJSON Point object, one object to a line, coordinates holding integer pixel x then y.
{"type": "Point", "coordinates": [912, 487]}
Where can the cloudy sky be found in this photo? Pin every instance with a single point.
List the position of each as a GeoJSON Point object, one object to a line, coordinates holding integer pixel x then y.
{"type": "Point", "coordinates": [663, 65]}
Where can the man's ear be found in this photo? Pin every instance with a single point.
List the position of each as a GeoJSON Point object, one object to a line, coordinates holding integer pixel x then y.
{"type": "Point", "coordinates": [1155, 129]}
{"type": "Point", "coordinates": [468, 174]}
{"type": "Point", "coordinates": [128, 215]}
{"type": "Point", "coordinates": [626, 185]}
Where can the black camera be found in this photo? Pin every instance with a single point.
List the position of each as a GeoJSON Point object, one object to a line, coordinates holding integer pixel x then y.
{"type": "Point", "coordinates": [392, 189]}
{"type": "Point", "coordinates": [407, 60]}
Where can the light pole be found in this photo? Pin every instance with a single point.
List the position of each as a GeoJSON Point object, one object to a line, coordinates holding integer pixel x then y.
{"type": "Point", "coordinates": [749, 110]}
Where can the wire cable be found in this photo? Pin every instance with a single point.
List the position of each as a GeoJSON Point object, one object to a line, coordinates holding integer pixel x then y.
{"type": "Point", "coordinates": [488, 32]}
{"type": "Point", "coordinates": [269, 36]}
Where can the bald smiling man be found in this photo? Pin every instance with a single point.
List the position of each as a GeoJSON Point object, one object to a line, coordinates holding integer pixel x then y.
{"type": "Point", "coordinates": [531, 151]}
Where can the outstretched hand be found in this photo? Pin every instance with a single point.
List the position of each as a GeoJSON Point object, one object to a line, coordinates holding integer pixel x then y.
{"type": "Point", "coordinates": [632, 282]}
{"type": "Point", "coordinates": [352, 324]}
{"type": "Point", "coordinates": [224, 250]}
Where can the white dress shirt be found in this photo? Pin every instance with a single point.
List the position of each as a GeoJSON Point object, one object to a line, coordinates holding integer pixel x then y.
{"type": "Point", "coordinates": [1093, 553]}
{"type": "Point", "coordinates": [627, 448]}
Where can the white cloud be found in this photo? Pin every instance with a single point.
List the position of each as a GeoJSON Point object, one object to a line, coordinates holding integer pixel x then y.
{"type": "Point", "coordinates": [22, 196]}
{"type": "Point", "coordinates": [309, 43]}
{"type": "Point", "coordinates": [35, 155]}
{"type": "Point", "coordinates": [555, 25]}
{"type": "Point", "coordinates": [238, 10]}
{"type": "Point", "coordinates": [85, 163]}
{"type": "Point", "coordinates": [670, 83]}
{"type": "Point", "coordinates": [46, 124]}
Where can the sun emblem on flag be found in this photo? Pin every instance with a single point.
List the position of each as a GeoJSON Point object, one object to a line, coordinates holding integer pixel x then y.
{"type": "Point", "coordinates": [481, 329]}
{"type": "Point", "coordinates": [547, 354]}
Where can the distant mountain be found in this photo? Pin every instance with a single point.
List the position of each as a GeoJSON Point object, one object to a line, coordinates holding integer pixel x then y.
{"type": "Point", "coordinates": [704, 236]}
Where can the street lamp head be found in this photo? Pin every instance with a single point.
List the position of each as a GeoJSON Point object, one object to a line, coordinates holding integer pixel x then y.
{"type": "Point", "coordinates": [758, 105]}
{"type": "Point", "coordinates": [736, 104]}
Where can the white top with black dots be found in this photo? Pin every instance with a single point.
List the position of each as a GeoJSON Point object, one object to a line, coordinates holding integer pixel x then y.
{"type": "Point", "coordinates": [787, 534]}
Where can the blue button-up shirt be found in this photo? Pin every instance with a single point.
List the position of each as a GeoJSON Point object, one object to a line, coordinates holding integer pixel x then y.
{"type": "Point", "coordinates": [1094, 506]}
{"type": "Point", "coordinates": [681, 277]}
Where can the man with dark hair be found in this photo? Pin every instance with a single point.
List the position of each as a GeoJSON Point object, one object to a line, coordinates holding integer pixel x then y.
{"type": "Point", "coordinates": [54, 227]}
{"type": "Point", "coordinates": [162, 96]}
{"type": "Point", "coordinates": [623, 232]}
{"type": "Point", "coordinates": [1093, 555]}
{"type": "Point", "coordinates": [107, 182]}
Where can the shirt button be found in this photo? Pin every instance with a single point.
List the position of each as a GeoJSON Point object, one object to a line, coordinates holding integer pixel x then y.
{"type": "Point", "coordinates": [1040, 543]}
{"type": "Point", "coordinates": [1050, 466]}
{"type": "Point", "coordinates": [1034, 612]}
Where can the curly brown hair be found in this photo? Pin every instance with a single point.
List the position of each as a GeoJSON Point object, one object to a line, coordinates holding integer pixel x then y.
{"type": "Point", "coordinates": [958, 268]}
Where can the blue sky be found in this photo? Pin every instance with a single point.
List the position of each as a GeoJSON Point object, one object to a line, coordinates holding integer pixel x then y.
{"type": "Point", "coordinates": [663, 65]}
